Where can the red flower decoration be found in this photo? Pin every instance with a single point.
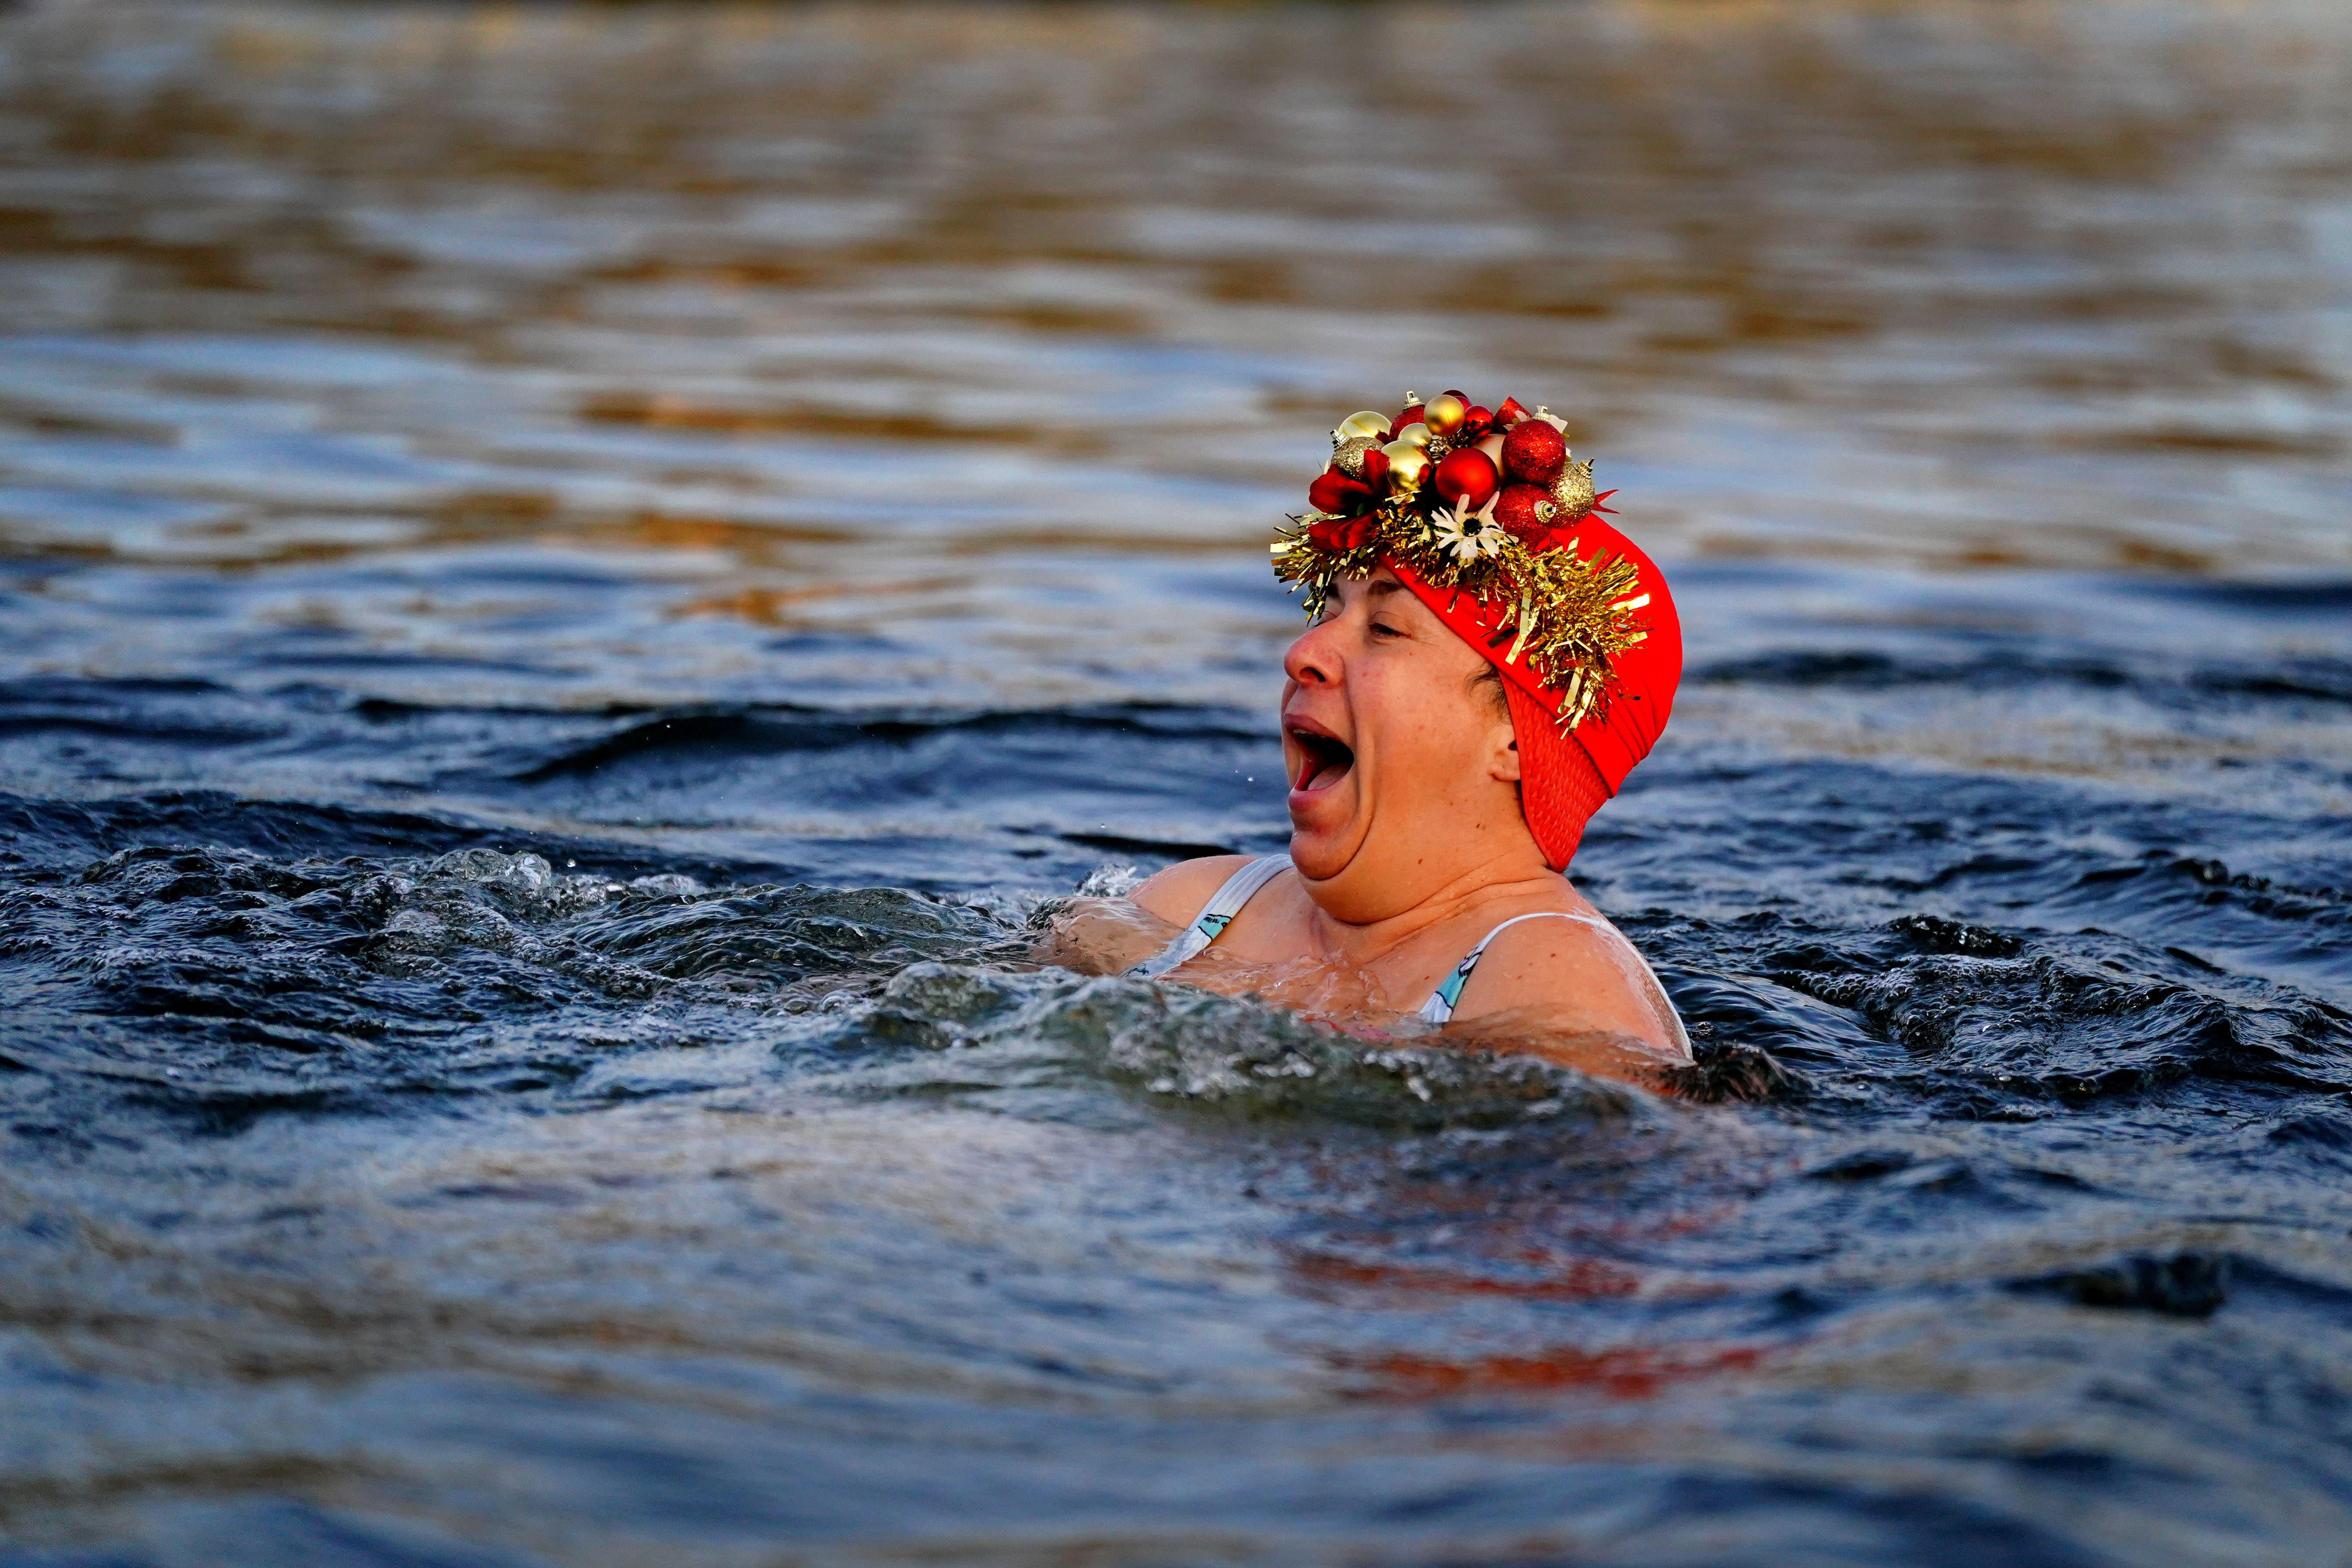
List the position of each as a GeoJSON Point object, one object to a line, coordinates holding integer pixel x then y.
{"type": "Point", "coordinates": [1336, 492]}
{"type": "Point", "coordinates": [1343, 532]}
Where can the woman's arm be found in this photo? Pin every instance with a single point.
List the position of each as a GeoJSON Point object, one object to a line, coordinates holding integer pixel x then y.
{"type": "Point", "coordinates": [1178, 894]}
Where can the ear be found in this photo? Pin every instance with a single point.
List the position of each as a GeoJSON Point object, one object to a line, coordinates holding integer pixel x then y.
{"type": "Point", "coordinates": [1503, 759]}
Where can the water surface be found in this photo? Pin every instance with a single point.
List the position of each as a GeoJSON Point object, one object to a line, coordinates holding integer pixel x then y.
{"type": "Point", "coordinates": [574, 578]}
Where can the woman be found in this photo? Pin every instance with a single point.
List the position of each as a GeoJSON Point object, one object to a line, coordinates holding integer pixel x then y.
{"type": "Point", "coordinates": [1486, 662]}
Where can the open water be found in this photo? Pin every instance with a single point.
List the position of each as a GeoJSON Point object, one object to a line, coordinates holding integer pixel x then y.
{"type": "Point", "coordinates": [574, 576]}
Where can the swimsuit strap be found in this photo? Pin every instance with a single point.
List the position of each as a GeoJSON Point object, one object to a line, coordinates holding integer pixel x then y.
{"type": "Point", "coordinates": [1214, 916]}
{"type": "Point", "coordinates": [1438, 1008]}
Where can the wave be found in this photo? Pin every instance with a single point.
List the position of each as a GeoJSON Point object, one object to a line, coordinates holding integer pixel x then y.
{"type": "Point", "coordinates": [228, 980]}
{"type": "Point", "coordinates": [1969, 1021]}
{"type": "Point", "coordinates": [770, 729]}
{"type": "Point", "coordinates": [1186, 1045]}
{"type": "Point", "coordinates": [2205, 683]}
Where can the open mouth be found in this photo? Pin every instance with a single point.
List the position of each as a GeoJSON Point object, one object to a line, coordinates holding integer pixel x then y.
{"type": "Point", "coordinates": [1323, 760]}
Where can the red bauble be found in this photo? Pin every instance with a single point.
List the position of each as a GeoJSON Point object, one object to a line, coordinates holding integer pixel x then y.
{"type": "Point", "coordinates": [1526, 513]}
{"type": "Point", "coordinates": [1467, 478]}
{"type": "Point", "coordinates": [1409, 416]}
{"type": "Point", "coordinates": [1534, 452]}
{"type": "Point", "coordinates": [1509, 414]}
{"type": "Point", "coordinates": [1475, 423]}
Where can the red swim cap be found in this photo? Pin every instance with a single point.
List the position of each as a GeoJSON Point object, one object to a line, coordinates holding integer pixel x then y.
{"type": "Point", "coordinates": [1488, 518]}
{"type": "Point", "coordinates": [1564, 778]}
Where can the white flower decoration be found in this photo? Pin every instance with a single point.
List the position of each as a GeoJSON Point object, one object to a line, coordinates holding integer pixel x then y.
{"type": "Point", "coordinates": [1465, 535]}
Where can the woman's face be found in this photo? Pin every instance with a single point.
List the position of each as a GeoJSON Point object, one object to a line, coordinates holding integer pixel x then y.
{"type": "Point", "coordinates": [1402, 772]}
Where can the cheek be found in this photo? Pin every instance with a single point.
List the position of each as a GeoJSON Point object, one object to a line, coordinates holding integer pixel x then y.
{"type": "Point", "coordinates": [1428, 727]}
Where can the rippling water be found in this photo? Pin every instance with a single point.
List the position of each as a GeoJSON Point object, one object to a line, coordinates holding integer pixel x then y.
{"type": "Point", "coordinates": [574, 578]}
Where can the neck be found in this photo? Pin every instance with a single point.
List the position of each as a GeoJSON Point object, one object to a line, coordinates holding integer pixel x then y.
{"type": "Point", "coordinates": [1348, 932]}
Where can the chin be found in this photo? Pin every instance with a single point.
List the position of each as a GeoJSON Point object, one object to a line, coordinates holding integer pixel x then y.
{"type": "Point", "coordinates": [1316, 857]}
{"type": "Point", "coordinates": [1323, 836]}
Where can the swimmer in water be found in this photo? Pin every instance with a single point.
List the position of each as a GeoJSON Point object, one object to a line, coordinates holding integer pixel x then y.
{"type": "Point", "coordinates": [1486, 660]}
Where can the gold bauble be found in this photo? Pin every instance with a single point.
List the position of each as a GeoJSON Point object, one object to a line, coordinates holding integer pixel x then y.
{"type": "Point", "coordinates": [1347, 456]}
{"type": "Point", "coordinates": [1409, 467]}
{"type": "Point", "coordinates": [1573, 490]}
{"type": "Point", "coordinates": [1367, 422]}
{"type": "Point", "coordinates": [1444, 416]}
{"type": "Point", "coordinates": [1414, 434]}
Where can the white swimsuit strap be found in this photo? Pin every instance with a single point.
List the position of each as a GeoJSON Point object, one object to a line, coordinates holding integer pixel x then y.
{"type": "Point", "coordinates": [1214, 916]}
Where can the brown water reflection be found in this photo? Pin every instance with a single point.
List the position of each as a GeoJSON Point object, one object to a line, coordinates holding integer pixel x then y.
{"type": "Point", "coordinates": [1946, 283]}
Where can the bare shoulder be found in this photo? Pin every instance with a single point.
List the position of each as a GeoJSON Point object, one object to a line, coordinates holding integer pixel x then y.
{"type": "Point", "coordinates": [1585, 975]}
{"type": "Point", "coordinates": [1178, 893]}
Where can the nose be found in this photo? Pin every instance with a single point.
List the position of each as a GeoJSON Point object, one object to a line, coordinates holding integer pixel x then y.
{"type": "Point", "coordinates": [1314, 658]}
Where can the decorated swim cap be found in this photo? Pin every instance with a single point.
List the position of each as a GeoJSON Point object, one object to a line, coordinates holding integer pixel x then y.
{"type": "Point", "coordinates": [1491, 521]}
